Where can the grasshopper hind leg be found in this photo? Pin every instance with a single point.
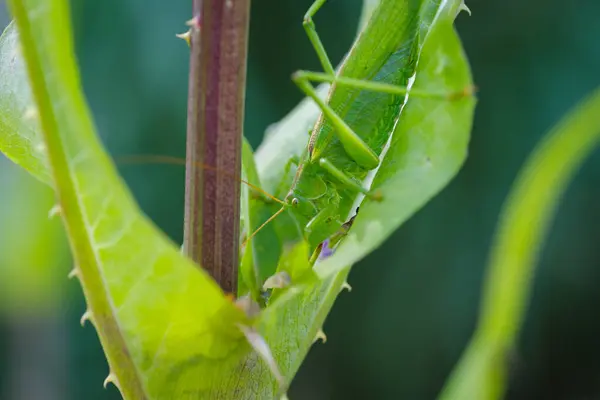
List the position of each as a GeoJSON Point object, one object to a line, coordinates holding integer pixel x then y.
{"type": "Point", "coordinates": [353, 144]}
{"type": "Point", "coordinates": [348, 181]}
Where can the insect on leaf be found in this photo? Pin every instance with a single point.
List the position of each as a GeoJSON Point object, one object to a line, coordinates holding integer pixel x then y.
{"type": "Point", "coordinates": [427, 148]}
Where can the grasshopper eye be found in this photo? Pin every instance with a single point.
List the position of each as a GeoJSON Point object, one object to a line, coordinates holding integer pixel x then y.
{"type": "Point", "coordinates": [295, 202]}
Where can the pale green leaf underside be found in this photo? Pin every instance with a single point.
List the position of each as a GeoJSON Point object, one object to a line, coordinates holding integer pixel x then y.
{"type": "Point", "coordinates": [167, 329]}
{"type": "Point", "coordinates": [20, 137]}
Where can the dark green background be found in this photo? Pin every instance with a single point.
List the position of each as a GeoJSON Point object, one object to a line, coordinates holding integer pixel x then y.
{"type": "Point", "coordinates": [414, 303]}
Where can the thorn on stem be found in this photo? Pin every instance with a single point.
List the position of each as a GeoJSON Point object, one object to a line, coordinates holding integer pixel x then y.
{"type": "Point", "coordinates": [195, 23]}
{"type": "Point", "coordinates": [186, 36]}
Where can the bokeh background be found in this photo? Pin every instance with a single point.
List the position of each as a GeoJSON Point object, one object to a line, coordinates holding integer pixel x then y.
{"type": "Point", "coordinates": [414, 303]}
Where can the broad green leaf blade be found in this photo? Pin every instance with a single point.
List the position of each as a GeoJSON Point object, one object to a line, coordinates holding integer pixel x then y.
{"type": "Point", "coordinates": [20, 137]}
{"type": "Point", "coordinates": [428, 146]}
{"type": "Point", "coordinates": [289, 326]}
{"type": "Point", "coordinates": [166, 328]}
{"type": "Point", "coordinates": [523, 226]}
{"type": "Point", "coordinates": [292, 324]}
{"type": "Point", "coordinates": [427, 128]}
{"type": "Point", "coordinates": [367, 10]}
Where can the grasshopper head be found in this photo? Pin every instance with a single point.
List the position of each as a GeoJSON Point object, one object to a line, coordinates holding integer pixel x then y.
{"type": "Point", "coordinates": [299, 206]}
{"type": "Point", "coordinates": [317, 221]}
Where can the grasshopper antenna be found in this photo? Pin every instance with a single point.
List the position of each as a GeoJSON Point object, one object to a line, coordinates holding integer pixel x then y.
{"type": "Point", "coordinates": [271, 218]}
{"type": "Point", "coordinates": [147, 159]}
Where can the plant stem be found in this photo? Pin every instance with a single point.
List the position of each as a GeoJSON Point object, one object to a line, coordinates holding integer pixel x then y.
{"type": "Point", "coordinates": [217, 80]}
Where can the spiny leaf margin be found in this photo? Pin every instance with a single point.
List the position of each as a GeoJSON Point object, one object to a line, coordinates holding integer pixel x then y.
{"type": "Point", "coordinates": [166, 327]}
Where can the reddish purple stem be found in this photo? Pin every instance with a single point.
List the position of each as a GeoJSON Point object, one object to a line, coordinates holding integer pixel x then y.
{"type": "Point", "coordinates": [217, 83]}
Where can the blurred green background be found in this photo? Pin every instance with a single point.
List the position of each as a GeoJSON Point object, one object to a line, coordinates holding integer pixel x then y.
{"type": "Point", "coordinates": [414, 303]}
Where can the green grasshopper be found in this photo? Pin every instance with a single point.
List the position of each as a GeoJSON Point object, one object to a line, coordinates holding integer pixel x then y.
{"type": "Point", "coordinates": [365, 100]}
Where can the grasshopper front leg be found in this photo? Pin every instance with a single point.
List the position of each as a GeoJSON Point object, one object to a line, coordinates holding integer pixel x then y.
{"type": "Point", "coordinates": [313, 36]}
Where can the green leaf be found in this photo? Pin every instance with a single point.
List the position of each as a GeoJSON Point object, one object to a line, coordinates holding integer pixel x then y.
{"type": "Point", "coordinates": [288, 137]}
{"type": "Point", "coordinates": [20, 137]}
{"type": "Point", "coordinates": [260, 256]}
{"type": "Point", "coordinates": [429, 146]}
{"type": "Point", "coordinates": [166, 328]}
{"type": "Point", "coordinates": [291, 324]}
{"type": "Point", "coordinates": [522, 228]}
{"type": "Point", "coordinates": [143, 295]}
